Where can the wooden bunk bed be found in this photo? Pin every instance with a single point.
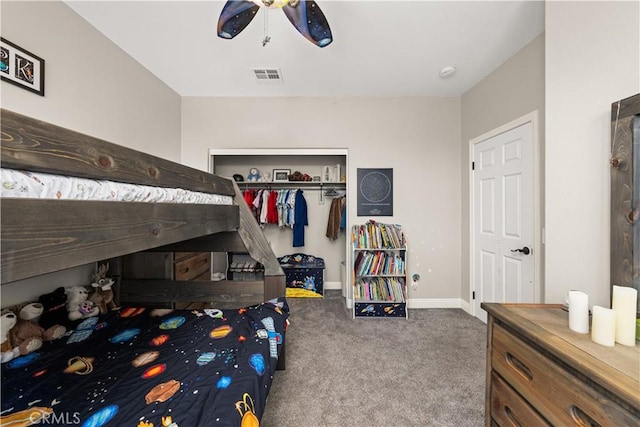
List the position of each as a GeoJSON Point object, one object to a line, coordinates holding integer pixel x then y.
{"type": "Point", "coordinates": [40, 236]}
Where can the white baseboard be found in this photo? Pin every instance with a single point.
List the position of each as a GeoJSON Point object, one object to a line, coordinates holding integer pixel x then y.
{"type": "Point", "coordinates": [332, 285]}
{"type": "Point", "coordinates": [434, 303]}
{"type": "Point", "coordinates": [465, 306]}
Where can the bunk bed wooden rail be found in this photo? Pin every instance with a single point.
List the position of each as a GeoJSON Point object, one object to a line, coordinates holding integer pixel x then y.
{"type": "Point", "coordinates": [41, 236]}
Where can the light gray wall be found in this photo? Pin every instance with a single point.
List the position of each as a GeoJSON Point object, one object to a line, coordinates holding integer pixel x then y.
{"type": "Point", "coordinates": [91, 86]}
{"type": "Point", "coordinates": [593, 59]}
{"type": "Point", "coordinates": [514, 89]}
{"type": "Point", "coordinates": [418, 137]}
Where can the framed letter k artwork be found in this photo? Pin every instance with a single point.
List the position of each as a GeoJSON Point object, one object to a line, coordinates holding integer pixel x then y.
{"type": "Point", "coordinates": [21, 68]}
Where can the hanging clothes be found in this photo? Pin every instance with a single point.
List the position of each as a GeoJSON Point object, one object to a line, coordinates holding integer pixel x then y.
{"type": "Point", "coordinates": [249, 195]}
{"type": "Point", "coordinates": [300, 219]}
{"type": "Point", "coordinates": [281, 205]}
{"type": "Point", "coordinates": [264, 206]}
{"type": "Point", "coordinates": [343, 215]}
{"type": "Point", "coordinates": [257, 205]}
{"type": "Point", "coordinates": [272, 209]}
{"type": "Point", "coordinates": [290, 207]}
{"type": "Point", "coordinates": [335, 215]}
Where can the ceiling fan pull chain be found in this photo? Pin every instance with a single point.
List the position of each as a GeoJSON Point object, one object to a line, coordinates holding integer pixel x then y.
{"type": "Point", "coordinates": [266, 39]}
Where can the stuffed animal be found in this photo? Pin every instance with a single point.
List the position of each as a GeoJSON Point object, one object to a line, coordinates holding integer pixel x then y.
{"type": "Point", "coordinates": [54, 305]}
{"type": "Point", "coordinates": [78, 304]}
{"type": "Point", "coordinates": [27, 326]}
{"type": "Point", "coordinates": [254, 175]}
{"type": "Point", "coordinates": [9, 350]}
{"type": "Point", "coordinates": [103, 292]}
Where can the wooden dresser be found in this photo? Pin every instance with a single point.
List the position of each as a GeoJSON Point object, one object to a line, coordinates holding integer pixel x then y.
{"type": "Point", "coordinates": [539, 372]}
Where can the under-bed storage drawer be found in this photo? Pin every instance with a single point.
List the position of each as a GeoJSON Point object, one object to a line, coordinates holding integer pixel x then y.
{"type": "Point", "coordinates": [556, 393]}
{"type": "Point", "coordinates": [167, 265]}
{"type": "Point", "coordinates": [508, 408]}
{"type": "Point", "coordinates": [192, 265]}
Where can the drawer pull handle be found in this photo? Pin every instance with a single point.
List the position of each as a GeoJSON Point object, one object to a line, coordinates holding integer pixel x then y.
{"type": "Point", "coordinates": [582, 418]}
{"type": "Point", "coordinates": [512, 417]}
{"type": "Point", "coordinates": [519, 366]}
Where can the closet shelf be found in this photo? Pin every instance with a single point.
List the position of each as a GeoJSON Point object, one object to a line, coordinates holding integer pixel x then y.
{"type": "Point", "coordinates": [308, 185]}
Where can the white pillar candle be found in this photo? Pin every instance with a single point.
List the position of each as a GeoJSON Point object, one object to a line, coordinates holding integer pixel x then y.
{"type": "Point", "coordinates": [579, 312]}
{"type": "Point", "coordinates": [603, 326]}
{"type": "Point", "coordinates": [624, 303]}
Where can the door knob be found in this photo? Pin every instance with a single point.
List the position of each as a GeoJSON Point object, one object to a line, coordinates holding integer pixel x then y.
{"type": "Point", "coordinates": [524, 250]}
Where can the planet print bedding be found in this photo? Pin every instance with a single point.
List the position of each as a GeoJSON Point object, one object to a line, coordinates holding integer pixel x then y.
{"type": "Point", "coordinates": [128, 367]}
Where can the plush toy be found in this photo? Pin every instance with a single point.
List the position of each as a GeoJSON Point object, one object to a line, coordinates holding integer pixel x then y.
{"type": "Point", "coordinates": [78, 304]}
{"type": "Point", "coordinates": [103, 292]}
{"type": "Point", "coordinates": [254, 175]}
{"type": "Point", "coordinates": [27, 326]}
{"type": "Point", "coordinates": [54, 305]}
{"type": "Point", "coordinates": [266, 177]}
{"type": "Point", "coordinates": [11, 350]}
{"type": "Point", "coordinates": [8, 352]}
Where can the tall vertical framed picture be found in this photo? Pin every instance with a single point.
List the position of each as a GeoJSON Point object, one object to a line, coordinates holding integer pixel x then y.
{"type": "Point", "coordinates": [375, 192]}
{"type": "Point", "coordinates": [21, 67]}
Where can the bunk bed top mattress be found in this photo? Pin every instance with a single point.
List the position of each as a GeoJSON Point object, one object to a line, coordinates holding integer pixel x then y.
{"type": "Point", "coordinates": [37, 185]}
{"type": "Point", "coordinates": [128, 368]}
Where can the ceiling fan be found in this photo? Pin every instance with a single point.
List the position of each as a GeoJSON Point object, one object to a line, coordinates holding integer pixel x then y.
{"type": "Point", "coordinates": [305, 15]}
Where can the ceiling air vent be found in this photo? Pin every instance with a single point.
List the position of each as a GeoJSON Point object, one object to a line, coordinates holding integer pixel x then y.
{"type": "Point", "coordinates": [267, 75]}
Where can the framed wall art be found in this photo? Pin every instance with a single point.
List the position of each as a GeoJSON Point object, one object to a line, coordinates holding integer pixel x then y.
{"type": "Point", "coordinates": [281, 175]}
{"type": "Point", "coordinates": [375, 192]}
{"type": "Point", "coordinates": [21, 67]}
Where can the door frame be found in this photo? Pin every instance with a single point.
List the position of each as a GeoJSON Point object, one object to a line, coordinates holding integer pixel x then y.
{"type": "Point", "coordinates": [538, 231]}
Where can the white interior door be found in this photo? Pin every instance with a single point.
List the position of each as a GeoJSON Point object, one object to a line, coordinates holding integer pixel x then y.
{"type": "Point", "coordinates": [503, 218]}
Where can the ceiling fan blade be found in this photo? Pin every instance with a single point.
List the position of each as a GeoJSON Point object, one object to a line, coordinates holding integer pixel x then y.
{"type": "Point", "coordinates": [235, 17]}
{"type": "Point", "coordinates": [309, 20]}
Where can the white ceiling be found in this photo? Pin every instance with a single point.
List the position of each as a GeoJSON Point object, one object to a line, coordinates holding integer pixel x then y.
{"type": "Point", "coordinates": [380, 48]}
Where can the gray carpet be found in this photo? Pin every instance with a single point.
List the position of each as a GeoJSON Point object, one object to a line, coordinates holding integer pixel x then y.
{"type": "Point", "coordinates": [425, 371]}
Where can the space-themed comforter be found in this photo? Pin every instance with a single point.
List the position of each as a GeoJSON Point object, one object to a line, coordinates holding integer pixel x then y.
{"type": "Point", "coordinates": [129, 368]}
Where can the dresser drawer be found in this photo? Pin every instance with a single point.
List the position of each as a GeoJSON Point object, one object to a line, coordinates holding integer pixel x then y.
{"type": "Point", "coordinates": [194, 267]}
{"type": "Point", "coordinates": [508, 408]}
{"type": "Point", "coordinates": [558, 396]}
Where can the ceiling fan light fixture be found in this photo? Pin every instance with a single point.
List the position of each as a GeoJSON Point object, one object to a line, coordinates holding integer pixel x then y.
{"type": "Point", "coordinates": [305, 15]}
{"type": "Point", "coordinates": [447, 71]}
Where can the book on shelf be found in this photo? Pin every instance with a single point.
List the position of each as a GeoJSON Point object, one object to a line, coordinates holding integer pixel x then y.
{"type": "Point", "coordinates": [380, 289]}
{"type": "Point", "coordinates": [376, 235]}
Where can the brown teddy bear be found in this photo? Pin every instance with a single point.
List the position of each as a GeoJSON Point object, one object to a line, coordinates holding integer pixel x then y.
{"type": "Point", "coordinates": [10, 349]}
{"type": "Point", "coordinates": [8, 352]}
{"type": "Point", "coordinates": [27, 327]}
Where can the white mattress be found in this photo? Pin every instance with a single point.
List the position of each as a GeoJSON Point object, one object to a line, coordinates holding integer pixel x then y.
{"type": "Point", "coordinates": [36, 185]}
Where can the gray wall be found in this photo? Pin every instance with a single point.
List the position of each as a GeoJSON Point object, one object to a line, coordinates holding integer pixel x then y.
{"type": "Point", "coordinates": [593, 59]}
{"type": "Point", "coordinates": [91, 86]}
{"type": "Point", "coordinates": [418, 137]}
{"type": "Point", "coordinates": [514, 89]}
